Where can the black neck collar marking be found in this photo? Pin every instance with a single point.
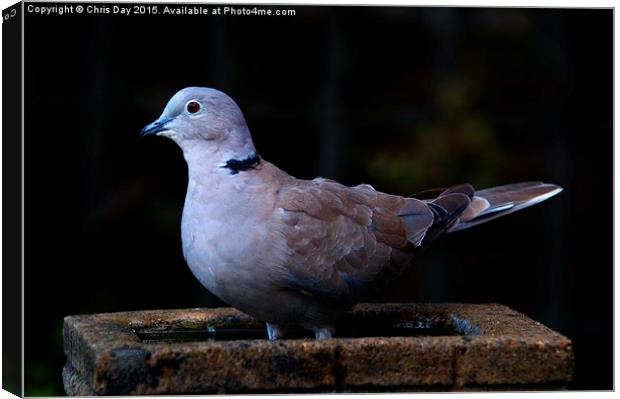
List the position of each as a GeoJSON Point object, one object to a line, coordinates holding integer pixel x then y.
{"type": "Point", "coordinates": [240, 165]}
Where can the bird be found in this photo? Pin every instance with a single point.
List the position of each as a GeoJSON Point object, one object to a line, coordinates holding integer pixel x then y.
{"type": "Point", "coordinates": [299, 253]}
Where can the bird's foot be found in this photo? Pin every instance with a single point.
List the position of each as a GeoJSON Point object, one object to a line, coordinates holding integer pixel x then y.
{"type": "Point", "coordinates": [275, 331]}
{"type": "Point", "coordinates": [323, 332]}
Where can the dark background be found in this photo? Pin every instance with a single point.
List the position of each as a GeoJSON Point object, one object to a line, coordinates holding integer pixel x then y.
{"type": "Point", "coordinates": [402, 98]}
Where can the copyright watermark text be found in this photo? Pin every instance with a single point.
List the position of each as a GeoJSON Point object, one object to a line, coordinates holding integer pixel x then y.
{"type": "Point", "coordinates": [159, 9]}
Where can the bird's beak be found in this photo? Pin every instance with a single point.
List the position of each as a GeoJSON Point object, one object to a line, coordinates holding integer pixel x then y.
{"type": "Point", "coordinates": [156, 127]}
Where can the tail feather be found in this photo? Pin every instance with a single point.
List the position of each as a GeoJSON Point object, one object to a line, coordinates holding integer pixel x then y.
{"type": "Point", "coordinates": [446, 210]}
{"type": "Point", "coordinates": [504, 200]}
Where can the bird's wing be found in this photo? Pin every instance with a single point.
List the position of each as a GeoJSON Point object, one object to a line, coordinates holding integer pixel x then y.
{"type": "Point", "coordinates": [342, 242]}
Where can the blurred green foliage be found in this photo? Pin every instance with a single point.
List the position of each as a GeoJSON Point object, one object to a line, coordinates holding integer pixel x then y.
{"type": "Point", "coordinates": [459, 145]}
{"type": "Point", "coordinates": [44, 372]}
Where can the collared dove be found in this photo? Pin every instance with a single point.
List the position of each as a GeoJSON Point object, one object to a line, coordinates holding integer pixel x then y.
{"type": "Point", "coordinates": [294, 252]}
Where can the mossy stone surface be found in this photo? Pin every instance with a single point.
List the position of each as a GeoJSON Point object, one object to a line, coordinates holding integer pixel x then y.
{"type": "Point", "coordinates": [451, 347]}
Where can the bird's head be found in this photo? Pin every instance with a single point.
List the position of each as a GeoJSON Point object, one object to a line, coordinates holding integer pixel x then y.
{"type": "Point", "coordinates": [204, 118]}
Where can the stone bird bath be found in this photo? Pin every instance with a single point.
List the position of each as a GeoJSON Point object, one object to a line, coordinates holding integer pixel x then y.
{"type": "Point", "coordinates": [380, 348]}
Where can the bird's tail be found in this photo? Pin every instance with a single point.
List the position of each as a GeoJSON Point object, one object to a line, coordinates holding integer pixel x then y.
{"type": "Point", "coordinates": [494, 202]}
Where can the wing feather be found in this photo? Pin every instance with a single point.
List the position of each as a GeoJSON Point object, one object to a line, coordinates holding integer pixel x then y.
{"type": "Point", "coordinates": [343, 242]}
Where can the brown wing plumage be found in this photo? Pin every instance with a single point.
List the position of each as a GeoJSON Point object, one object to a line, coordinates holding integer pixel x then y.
{"type": "Point", "coordinates": [343, 242]}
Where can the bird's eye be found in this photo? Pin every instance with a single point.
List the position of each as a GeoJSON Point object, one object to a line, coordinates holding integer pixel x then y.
{"type": "Point", "coordinates": [192, 106]}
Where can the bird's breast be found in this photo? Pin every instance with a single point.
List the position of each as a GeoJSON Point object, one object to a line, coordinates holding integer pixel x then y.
{"type": "Point", "coordinates": [227, 245]}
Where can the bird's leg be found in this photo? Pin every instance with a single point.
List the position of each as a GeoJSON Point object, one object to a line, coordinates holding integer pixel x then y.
{"type": "Point", "coordinates": [323, 332]}
{"type": "Point", "coordinates": [275, 331]}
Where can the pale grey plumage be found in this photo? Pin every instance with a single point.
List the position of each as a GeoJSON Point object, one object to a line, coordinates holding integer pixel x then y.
{"type": "Point", "coordinates": [298, 252]}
